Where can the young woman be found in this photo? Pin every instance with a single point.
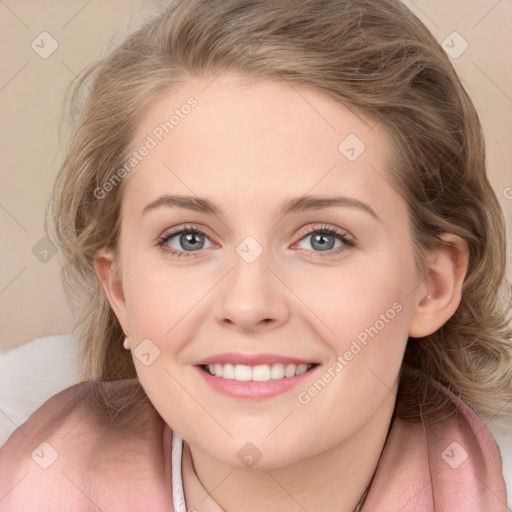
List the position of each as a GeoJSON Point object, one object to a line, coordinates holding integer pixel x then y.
{"type": "Point", "coordinates": [286, 260]}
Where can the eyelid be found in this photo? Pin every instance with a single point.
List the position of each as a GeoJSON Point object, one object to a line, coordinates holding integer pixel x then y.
{"type": "Point", "coordinates": [335, 231]}
{"type": "Point", "coordinates": [185, 228]}
{"type": "Point", "coordinates": [198, 228]}
{"type": "Point", "coordinates": [343, 235]}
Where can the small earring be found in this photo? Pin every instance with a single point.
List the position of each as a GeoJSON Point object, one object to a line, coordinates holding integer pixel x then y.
{"type": "Point", "coordinates": [126, 343]}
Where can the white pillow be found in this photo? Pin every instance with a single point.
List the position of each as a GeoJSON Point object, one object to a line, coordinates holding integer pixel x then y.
{"type": "Point", "coordinates": [31, 374]}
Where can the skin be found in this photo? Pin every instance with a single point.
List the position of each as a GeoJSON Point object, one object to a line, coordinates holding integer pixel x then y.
{"type": "Point", "coordinates": [247, 147]}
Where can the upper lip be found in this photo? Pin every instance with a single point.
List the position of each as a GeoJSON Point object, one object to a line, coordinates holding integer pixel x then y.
{"type": "Point", "coordinates": [252, 359]}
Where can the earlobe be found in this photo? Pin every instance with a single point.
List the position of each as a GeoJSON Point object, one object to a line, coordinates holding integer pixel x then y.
{"type": "Point", "coordinates": [106, 267]}
{"type": "Point", "coordinates": [440, 296]}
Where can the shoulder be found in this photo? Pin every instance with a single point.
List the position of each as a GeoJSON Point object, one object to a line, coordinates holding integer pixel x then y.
{"type": "Point", "coordinates": [72, 452]}
{"type": "Point", "coordinates": [502, 432]}
{"type": "Point", "coordinates": [464, 454]}
{"type": "Point", "coordinates": [447, 457]}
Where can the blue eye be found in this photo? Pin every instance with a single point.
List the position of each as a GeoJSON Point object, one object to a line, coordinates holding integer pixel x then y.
{"type": "Point", "coordinates": [192, 239]}
{"type": "Point", "coordinates": [324, 239]}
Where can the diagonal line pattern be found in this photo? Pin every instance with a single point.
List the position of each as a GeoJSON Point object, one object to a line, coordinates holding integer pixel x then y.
{"type": "Point", "coordinates": [211, 81]}
{"type": "Point", "coordinates": [280, 423]}
{"type": "Point", "coordinates": [492, 81]}
{"type": "Point", "coordinates": [209, 493]}
{"type": "Point", "coordinates": [301, 300]}
{"type": "Point", "coordinates": [14, 218]}
{"type": "Point", "coordinates": [198, 301]}
{"type": "Point", "coordinates": [14, 423]}
{"type": "Point", "coordinates": [424, 14]}
{"type": "Point", "coordinates": [394, 392]}
{"type": "Point", "coordinates": [286, 491]}
{"type": "Point", "coordinates": [77, 76]}
{"type": "Point", "coordinates": [495, 495]}
{"type": "Point", "coordinates": [13, 13]}
{"type": "Point", "coordinates": [486, 14]}
{"type": "Point", "coordinates": [306, 101]}
{"type": "Point", "coordinates": [198, 403]}
{"type": "Point", "coordinates": [13, 279]}
{"type": "Point", "coordinates": [13, 77]}
{"type": "Point", "coordinates": [382, 176]}
{"type": "Point", "coordinates": [101, 510]}
{"type": "Point", "coordinates": [506, 299]}
{"type": "Point", "coordinates": [307, 192]}
{"type": "Point", "coordinates": [421, 490]}
{"type": "Point", "coordinates": [76, 423]}
{"type": "Point", "coordinates": [12, 488]}
{"type": "Point", "coordinates": [76, 14]}
{"type": "Point", "coordinates": [194, 194]}
{"type": "Point", "coordinates": [487, 421]}
{"type": "Point", "coordinates": [419, 284]}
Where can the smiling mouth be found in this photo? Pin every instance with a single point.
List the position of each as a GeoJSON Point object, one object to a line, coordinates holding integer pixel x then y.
{"type": "Point", "coordinates": [259, 373]}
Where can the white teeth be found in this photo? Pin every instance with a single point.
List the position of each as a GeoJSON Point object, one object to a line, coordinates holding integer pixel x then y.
{"type": "Point", "coordinates": [277, 371]}
{"type": "Point", "coordinates": [242, 372]}
{"type": "Point", "coordinates": [228, 371]}
{"type": "Point", "coordinates": [302, 368]}
{"type": "Point", "coordinates": [289, 371]}
{"type": "Point", "coordinates": [260, 373]}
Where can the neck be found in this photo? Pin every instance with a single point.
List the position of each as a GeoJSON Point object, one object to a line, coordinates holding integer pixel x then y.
{"type": "Point", "coordinates": [333, 480]}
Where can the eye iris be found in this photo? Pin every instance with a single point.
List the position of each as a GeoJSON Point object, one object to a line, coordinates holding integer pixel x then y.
{"type": "Point", "coordinates": [320, 238]}
{"type": "Point", "coordinates": [192, 239]}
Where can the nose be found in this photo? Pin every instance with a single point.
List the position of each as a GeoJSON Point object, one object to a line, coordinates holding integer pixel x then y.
{"type": "Point", "coordinates": [252, 298]}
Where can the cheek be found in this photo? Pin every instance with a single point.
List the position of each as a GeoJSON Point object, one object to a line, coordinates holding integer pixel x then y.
{"type": "Point", "coordinates": [369, 321]}
{"type": "Point", "coordinates": [363, 315]}
{"type": "Point", "coordinates": [169, 307]}
{"type": "Point", "coordinates": [157, 298]}
{"type": "Point", "coordinates": [354, 303]}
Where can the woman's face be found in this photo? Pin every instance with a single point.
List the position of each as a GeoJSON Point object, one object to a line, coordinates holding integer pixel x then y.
{"type": "Point", "coordinates": [303, 257]}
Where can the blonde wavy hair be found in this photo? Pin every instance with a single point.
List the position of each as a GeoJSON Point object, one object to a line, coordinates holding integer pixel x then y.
{"type": "Point", "coordinates": [376, 58]}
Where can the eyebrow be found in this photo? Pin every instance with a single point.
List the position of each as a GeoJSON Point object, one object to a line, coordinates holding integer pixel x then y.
{"type": "Point", "coordinates": [293, 205]}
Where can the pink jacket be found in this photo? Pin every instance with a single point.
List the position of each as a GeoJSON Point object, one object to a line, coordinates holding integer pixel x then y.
{"type": "Point", "coordinates": [64, 459]}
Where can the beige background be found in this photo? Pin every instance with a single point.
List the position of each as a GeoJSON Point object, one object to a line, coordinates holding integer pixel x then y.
{"type": "Point", "coordinates": [32, 303]}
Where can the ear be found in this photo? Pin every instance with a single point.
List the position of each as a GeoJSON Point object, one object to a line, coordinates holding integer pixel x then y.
{"type": "Point", "coordinates": [109, 274]}
{"type": "Point", "coordinates": [439, 296]}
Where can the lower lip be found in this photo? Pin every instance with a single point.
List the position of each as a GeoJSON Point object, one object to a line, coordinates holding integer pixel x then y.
{"type": "Point", "coordinates": [253, 389]}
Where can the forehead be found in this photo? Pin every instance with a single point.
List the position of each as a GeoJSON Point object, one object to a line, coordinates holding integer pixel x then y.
{"type": "Point", "coordinates": [235, 139]}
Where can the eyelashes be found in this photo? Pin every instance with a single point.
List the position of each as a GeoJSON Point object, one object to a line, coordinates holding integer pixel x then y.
{"type": "Point", "coordinates": [186, 230]}
{"type": "Point", "coordinates": [332, 232]}
{"type": "Point", "coordinates": [194, 233]}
